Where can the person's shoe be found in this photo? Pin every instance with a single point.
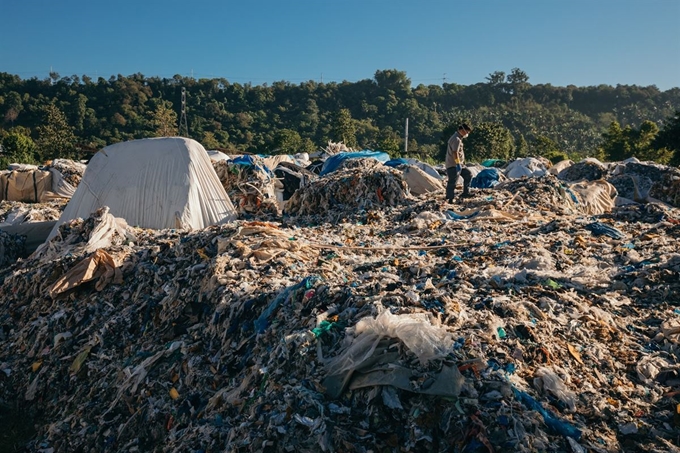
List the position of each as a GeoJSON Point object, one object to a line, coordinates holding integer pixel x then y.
{"type": "Point", "coordinates": [450, 201]}
{"type": "Point", "coordinates": [466, 195]}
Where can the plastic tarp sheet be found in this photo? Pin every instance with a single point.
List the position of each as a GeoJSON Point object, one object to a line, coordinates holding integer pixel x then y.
{"type": "Point", "coordinates": [427, 168]}
{"type": "Point", "coordinates": [420, 182]}
{"type": "Point", "coordinates": [493, 163]}
{"type": "Point", "coordinates": [217, 155]}
{"type": "Point", "coordinates": [61, 187]}
{"type": "Point", "coordinates": [332, 163]}
{"type": "Point", "coordinates": [396, 162]}
{"type": "Point", "coordinates": [485, 179]}
{"type": "Point", "coordinates": [36, 232]}
{"type": "Point", "coordinates": [26, 186]}
{"type": "Point", "coordinates": [559, 166]}
{"type": "Point", "coordinates": [528, 166]}
{"type": "Point", "coordinates": [595, 197]}
{"type": "Point", "coordinates": [21, 167]}
{"type": "Point", "coordinates": [244, 160]}
{"type": "Point", "coordinates": [274, 161]}
{"type": "Point", "coordinates": [153, 183]}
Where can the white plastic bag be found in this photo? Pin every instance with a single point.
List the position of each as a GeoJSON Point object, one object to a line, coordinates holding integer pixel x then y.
{"type": "Point", "coordinates": [426, 340]}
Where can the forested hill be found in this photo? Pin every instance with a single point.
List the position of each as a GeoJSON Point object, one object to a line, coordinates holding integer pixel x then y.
{"type": "Point", "coordinates": [71, 116]}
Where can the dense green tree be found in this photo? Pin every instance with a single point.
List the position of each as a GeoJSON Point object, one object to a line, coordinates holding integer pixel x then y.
{"type": "Point", "coordinates": [13, 105]}
{"type": "Point", "coordinates": [543, 146]}
{"type": "Point", "coordinates": [344, 129]}
{"type": "Point", "coordinates": [390, 142]}
{"type": "Point", "coordinates": [56, 137]}
{"type": "Point", "coordinates": [669, 137]}
{"type": "Point", "coordinates": [209, 141]}
{"type": "Point", "coordinates": [489, 141]}
{"type": "Point", "coordinates": [164, 120]}
{"type": "Point", "coordinates": [518, 81]}
{"type": "Point", "coordinates": [521, 146]}
{"type": "Point", "coordinates": [287, 141]}
{"type": "Point", "coordinates": [18, 148]}
{"type": "Point", "coordinates": [615, 144]}
{"type": "Point", "coordinates": [643, 139]}
{"type": "Point", "coordinates": [621, 143]}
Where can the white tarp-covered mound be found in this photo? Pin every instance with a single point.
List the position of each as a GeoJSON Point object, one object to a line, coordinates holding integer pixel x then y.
{"type": "Point", "coordinates": [531, 167]}
{"type": "Point", "coordinates": [152, 183]}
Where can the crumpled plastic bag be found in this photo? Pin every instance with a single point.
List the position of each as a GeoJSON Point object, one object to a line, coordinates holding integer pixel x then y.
{"type": "Point", "coordinates": [99, 266]}
{"type": "Point", "coordinates": [548, 380]}
{"type": "Point", "coordinates": [648, 368]}
{"type": "Point", "coordinates": [671, 330]}
{"type": "Point", "coordinates": [426, 340]}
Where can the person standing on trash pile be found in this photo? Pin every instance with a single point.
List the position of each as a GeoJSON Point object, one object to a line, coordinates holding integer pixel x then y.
{"type": "Point", "coordinates": [455, 159]}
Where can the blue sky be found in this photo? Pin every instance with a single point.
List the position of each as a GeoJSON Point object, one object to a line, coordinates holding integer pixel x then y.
{"type": "Point", "coordinates": [561, 42]}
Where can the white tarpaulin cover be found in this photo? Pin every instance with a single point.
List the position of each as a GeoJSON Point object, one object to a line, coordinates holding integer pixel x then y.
{"type": "Point", "coordinates": [420, 182]}
{"type": "Point", "coordinates": [596, 197]}
{"type": "Point", "coordinates": [217, 155]}
{"type": "Point", "coordinates": [528, 166]}
{"type": "Point", "coordinates": [152, 183]}
{"type": "Point", "coordinates": [559, 166]}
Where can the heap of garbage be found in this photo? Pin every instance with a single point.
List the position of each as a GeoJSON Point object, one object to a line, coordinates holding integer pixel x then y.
{"type": "Point", "coordinates": [358, 184]}
{"type": "Point", "coordinates": [70, 170]}
{"type": "Point", "coordinates": [507, 322]}
{"type": "Point", "coordinates": [356, 314]}
{"type": "Point", "coordinates": [250, 184]}
{"type": "Point", "coordinates": [13, 212]}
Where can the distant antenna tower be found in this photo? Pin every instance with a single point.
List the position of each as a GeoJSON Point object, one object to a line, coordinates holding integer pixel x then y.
{"type": "Point", "coordinates": [183, 127]}
{"type": "Point", "coordinates": [444, 79]}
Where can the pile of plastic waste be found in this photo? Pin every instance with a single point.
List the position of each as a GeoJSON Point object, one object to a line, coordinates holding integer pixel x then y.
{"type": "Point", "coordinates": [70, 170]}
{"type": "Point", "coordinates": [250, 184]}
{"type": "Point", "coordinates": [504, 323]}
{"type": "Point", "coordinates": [364, 319]}
{"type": "Point", "coordinates": [14, 212]}
{"type": "Point", "coordinates": [359, 184]}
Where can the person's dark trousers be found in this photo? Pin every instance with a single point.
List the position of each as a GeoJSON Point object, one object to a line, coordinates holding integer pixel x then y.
{"type": "Point", "coordinates": [452, 175]}
{"type": "Point", "coordinates": [466, 174]}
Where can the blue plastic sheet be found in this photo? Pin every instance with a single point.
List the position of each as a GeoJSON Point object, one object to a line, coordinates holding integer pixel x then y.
{"type": "Point", "coordinates": [572, 195]}
{"type": "Point", "coordinates": [551, 421]}
{"type": "Point", "coordinates": [485, 179]}
{"type": "Point", "coordinates": [492, 162]}
{"type": "Point", "coordinates": [248, 161]}
{"type": "Point", "coordinates": [262, 322]}
{"type": "Point", "coordinates": [599, 229]}
{"type": "Point", "coordinates": [332, 163]}
{"type": "Point", "coordinates": [244, 160]}
{"type": "Point", "coordinates": [396, 162]}
{"type": "Point", "coordinates": [454, 216]}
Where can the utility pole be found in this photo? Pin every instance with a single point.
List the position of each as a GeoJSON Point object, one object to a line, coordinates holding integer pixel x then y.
{"type": "Point", "coordinates": [406, 138]}
{"type": "Point", "coordinates": [183, 127]}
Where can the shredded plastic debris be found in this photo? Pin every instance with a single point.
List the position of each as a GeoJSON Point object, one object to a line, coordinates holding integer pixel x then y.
{"type": "Point", "coordinates": [365, 319]}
